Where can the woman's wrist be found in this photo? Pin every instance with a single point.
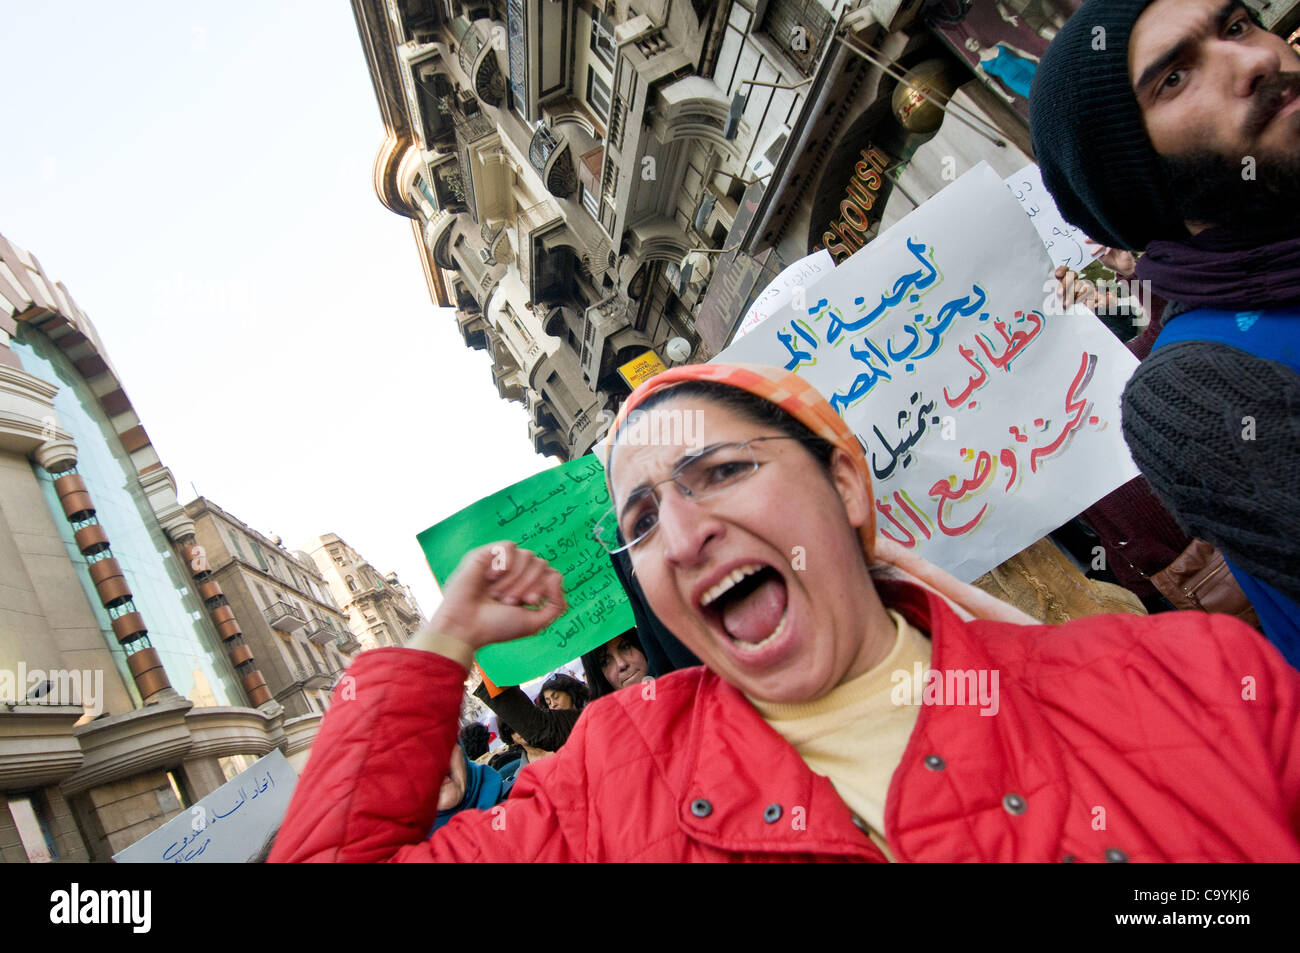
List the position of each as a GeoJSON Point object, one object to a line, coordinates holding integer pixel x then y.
{"type": "Point", "coordinates": [431, 639]}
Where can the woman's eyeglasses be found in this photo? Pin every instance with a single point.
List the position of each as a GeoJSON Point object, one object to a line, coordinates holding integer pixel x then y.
{"type": "Point", "coordinates": [708, 473]}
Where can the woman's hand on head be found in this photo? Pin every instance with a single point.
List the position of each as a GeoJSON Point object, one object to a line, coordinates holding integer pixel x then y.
{"type": "Point", "coordinates": [498, 593]}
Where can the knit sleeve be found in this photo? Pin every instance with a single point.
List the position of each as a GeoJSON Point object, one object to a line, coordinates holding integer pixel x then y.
{"type": "Point", "coordinates": [1216, 432]}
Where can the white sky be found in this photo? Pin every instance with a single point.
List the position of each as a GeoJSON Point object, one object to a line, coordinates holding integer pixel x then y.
{"type": "Point", "coordinates": [199, 176]}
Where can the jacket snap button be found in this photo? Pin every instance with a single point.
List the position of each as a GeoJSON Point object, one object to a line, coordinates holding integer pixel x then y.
{"type": "Point", "coordinates": [1014, 804]}
{"type": "Point", "coordinates": [1116, 856]}
{"type": "Point", "coordinates": [1069, 859]}
{"type": "Point", "coordinates": [701, 807]}
{"type": "Point", "coordinates": [934, 762]}
{"type": "Point", "coordinates": [772, 813]}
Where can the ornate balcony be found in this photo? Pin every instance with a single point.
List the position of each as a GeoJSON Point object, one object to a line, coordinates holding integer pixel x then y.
{"type": "Point", "coordinates": [473, 328]}
{"type": "Point", "coordinates": [551, 158]}
{"type": "Point", "coordinates": [479, 62]}
{"type": "Point", "coordinates": [320, 631]}
{"type": "Point", "coordinates": [347, 642]}
{"type": "Point", "coordinates": [282, 616]}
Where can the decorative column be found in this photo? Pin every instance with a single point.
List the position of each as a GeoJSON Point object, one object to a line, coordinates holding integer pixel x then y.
{"type": "Point", "coordinates": [59, 458]}
{"type": "Point", "coordinates": [223, 617]}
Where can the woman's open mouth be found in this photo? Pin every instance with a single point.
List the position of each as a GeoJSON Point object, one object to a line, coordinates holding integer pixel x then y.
{"type": "Point", "coordinates": [748, 605]}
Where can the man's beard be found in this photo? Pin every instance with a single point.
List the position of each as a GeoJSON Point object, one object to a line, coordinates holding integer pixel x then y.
{"type": "Point", "coordinates": [1257, 193]}
{"type": "Point", "coordinates": [1212, 189]}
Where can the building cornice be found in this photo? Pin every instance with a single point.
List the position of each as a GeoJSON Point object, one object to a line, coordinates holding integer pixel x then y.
{"type": "Point", "coordinates": [121, 746]}
{"type": "Point", "coordinates": [300, 732]}
{"type": "Point", "coordinates": [37, 745]}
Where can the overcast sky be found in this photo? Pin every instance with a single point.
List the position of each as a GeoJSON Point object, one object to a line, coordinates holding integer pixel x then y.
{"type": "Point", "coordinates": [199, 176]}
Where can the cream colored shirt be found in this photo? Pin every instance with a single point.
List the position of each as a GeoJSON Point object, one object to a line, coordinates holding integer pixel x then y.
{"type": "Point", "coordinates": [856, 735]}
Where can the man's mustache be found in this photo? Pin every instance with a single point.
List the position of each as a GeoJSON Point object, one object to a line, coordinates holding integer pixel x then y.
{"type": "Point", "coordinates": [1270, 95]}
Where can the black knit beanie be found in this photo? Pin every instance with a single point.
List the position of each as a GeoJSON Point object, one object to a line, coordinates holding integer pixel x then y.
{"type": "Point", "coordinates": [1089, 139]}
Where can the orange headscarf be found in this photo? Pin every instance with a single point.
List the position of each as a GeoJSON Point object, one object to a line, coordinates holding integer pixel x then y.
{"type": "Point", "coordinates": [804, 403]}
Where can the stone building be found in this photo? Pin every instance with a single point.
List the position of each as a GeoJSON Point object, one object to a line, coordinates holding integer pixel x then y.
{"type": "Point", "coordinates": [561, 161]}
{"type": "Point", "coordinates": [127, 688]}
{"type": "Point", "coordinates": [287, 612]}
{"type": "Point", "coordinates": [588, 181]}
{"type": "Point", "coordinates": [379, 609]}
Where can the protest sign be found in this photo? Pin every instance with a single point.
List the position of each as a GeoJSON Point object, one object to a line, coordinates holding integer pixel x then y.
{"type": "Point", "coordinates": [1065, 244]}
{"type": "Point", "coordinates": [988, 417]}
{"type": "Point", "coordinates": [551, 514]}
{"type": "Point", "coordinates": [789, 287]}
{"type": "Point", "coordinates": [229, 826]}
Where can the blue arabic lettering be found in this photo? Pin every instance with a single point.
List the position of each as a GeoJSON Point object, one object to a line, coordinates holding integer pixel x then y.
{"type": "Point", "coordinates": [798, 356]}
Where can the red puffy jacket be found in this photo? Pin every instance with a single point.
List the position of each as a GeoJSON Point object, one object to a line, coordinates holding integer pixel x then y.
{"type": "Point", "coordinates": [1169, 738]}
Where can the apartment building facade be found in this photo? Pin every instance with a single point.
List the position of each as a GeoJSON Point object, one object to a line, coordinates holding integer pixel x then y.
{"type": "Point", "coordinates": [379, 609]}
{"type": "Point", "coordinates": [288, 614]}
{"type": "Point", "coordinates": [572, 169]}
{"type": "Point", "coordinates": [127, 690]}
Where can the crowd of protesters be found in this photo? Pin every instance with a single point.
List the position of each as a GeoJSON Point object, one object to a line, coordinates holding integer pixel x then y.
{"type": "Point", "coordinates": [756, 711]}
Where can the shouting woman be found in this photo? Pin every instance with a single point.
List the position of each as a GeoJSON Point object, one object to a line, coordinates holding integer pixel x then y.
{"type": "Point", "coordinates": [854, 703]}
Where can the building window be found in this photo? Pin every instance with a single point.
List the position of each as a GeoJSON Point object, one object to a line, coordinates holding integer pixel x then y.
{"type": "Point", "coordinates": [235, 540]}
{"type": "Point", "coordinates": [426, 191]}
{"type": "Point", "coordinates": [597, 93]}
{"type": "Point", "coordinates": [33, 829]}
{"type": "Point", "coordinates": [807, 19]}
{"type": "Point", "coordinates": [352, 585]}
{"type": "Point", "coordinates": [602, 38]}
{"type": "Point", "coordinates": [257, 551]}
{"type": "Point", "coordinates": [590, 203]}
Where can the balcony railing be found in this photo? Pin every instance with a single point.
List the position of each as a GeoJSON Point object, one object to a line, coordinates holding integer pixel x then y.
{"type": "Point", "coordinates": [544, 142]}
{"type": "Point", "coordinates": [282, 616]}
{"type": "Point", "coordinates": [320, 631]}
{"type": "Point", "coordinates": [347, 642]}
{"type": "Point", "coordinates": [312, 679]}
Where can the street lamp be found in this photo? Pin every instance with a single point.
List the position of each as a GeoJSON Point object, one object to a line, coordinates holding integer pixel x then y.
{"type": "Point", "coordinates": [677, 350]}
{"type": "Point", "coordinates": [687, 266]}
{"type": "Point", "coordinates": [953, 109]}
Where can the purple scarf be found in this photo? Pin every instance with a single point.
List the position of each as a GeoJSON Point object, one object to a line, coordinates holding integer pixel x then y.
{"type": "Point", "coordinates": [1220, 269]}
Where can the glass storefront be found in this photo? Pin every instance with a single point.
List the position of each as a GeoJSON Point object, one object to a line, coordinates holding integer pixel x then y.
{"type": "Point", "coordinates": [162, 588]}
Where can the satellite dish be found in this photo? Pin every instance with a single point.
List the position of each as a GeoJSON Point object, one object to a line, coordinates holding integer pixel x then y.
{"type": "Point", "coordinates": [678, 350]}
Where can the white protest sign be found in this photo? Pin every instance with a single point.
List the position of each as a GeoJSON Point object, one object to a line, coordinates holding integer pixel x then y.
{"type": "Point", "coordinates": [988, 417]}
{"type": "Point", "coordinates": [791, 287]}
{"type": "Point", "coordinates": [229, 826]}
{"type": "Point", "coordinates": [1066, 244]}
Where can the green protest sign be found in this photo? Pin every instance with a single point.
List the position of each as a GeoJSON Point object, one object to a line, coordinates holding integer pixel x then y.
{"type": "Point", "coordinates": [551, 514]}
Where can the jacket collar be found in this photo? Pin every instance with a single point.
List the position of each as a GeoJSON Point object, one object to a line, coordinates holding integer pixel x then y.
{"type": "Point", "coordinates": [979, 751]}
{"type": "Point", "coordinates": [740, 793]}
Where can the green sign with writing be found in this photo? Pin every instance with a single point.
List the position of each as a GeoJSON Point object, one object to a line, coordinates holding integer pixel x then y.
{"type": "Point", "coordinates": [550, 514]}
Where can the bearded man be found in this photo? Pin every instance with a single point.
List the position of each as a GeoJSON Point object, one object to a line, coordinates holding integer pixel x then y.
{"type": "Point", "coordinates": [1173, 127]}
